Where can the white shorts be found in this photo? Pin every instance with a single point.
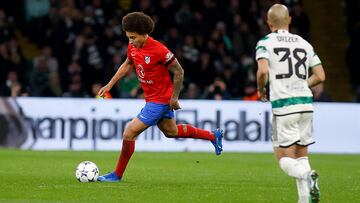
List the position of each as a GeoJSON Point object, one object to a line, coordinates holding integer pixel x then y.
{"type": "Point", "coordinates": [292, 129]}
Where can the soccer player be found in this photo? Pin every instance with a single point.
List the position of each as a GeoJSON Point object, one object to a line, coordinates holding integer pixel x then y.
{"type": "Point", "coordinates": [285, 60]}
{"type": "Point", "coordinates": [152, 62]}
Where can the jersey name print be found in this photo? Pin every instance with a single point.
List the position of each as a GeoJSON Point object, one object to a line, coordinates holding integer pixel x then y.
{"type": "Point", "coordinates": [287, 39]}
{"type": "Point", "coordinates": [290, 57]}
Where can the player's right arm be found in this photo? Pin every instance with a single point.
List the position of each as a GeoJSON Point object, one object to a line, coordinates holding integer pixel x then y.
{"type": "Point", "coordinates": [262, 77]}
{"type": "Point", "coordinates": [317, 77]}
{"type": "Point", "coordinates": [120, 73]}
{"type": "Point", "coordinates": [262, 74]}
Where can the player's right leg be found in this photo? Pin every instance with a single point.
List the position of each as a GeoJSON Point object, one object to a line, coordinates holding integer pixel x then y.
{"type": "Point", "coordinates": [134, 128]}
{"type": "Point", "coordinates": [286, 135]}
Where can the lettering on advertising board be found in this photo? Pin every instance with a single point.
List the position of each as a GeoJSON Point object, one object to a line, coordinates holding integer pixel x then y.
{"type": "Point", "coordinates": [97, 128]}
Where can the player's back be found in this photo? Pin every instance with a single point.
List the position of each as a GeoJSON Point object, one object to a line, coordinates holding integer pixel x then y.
{"type": "Point", "coordinates": [290, 58]}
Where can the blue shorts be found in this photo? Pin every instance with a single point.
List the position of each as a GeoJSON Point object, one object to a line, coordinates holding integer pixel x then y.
{"type": "Point", "coordinates": [153, 112]}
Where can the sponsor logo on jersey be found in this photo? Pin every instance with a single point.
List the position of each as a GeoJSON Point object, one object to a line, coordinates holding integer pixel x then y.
{"type": "Point", "coordinates": [147, 59]}
{"type": "Point", "coordinates": [140, 71]}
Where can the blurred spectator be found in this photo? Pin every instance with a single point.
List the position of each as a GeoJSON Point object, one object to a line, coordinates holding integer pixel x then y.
{"type": "Point", "coordinates": [35, 14]}
{"type": "Point", "coordinates": [39, 77]}
{"type": "Point", "coordinates": [145, 6]}
{"type": "Point", "coordinates": [16, 57]}
{"type": "Point", "coordinates": [75, 87]}
{"type": "Point", "coordinates": [172, 39]}
{"type": "Point", "coordinates": [190, 52]}
{"type": "Point", "coordinates": [11, 80]}
{"type": "Point", "coordinates": [211, 13]}
{"type": "Point", "coordinates": [128, 84]}
{"type": "Point", "coordinates": [16, 90]}
{"type": "Point", "coordinates": [234, 81]}
{"type": "Point", "coordinates": [248, 66]}
{"type": "Point", "coordinates": [11, 58]}
{"type": "Point", "coordinates": [300, 23]}
{"type": "Point", "coordinates": [184, 17]}
{"type": "Point", "coordinates": [247, 39]}
{"type": "Point", "coordinates": [192, 92]}
{"type": "Point", "coordinates": [217, 91]}
{"type": "Point", "coordinates": [165, 12]}
{"type": "Point", "coordinates": [203, 73]}
{"type": "Point", "coordinates": [137, 93]}
{"type": "Point", "coordinates": [73, 68]}
{"type": "Point", "coordinates": [6, 31]}
{"type": "Point", "coordinates": [52, 87]}
{"type": "Point", "coordinates": [225, 39]}
{"type": "Point", "coordinates": [12, 86]}
{"type": "Point", "coordinates": [251, 93]}
{"type": "Point", "coordinates": [36, 8]}
{"type": "Point", "coordinates": [46, 57]}
{"type": "Point", "coordinates": [92, 59]}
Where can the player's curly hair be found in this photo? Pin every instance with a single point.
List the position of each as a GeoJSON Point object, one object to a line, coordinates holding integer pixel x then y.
{"type": "Point", "coordinates": [137, 22]}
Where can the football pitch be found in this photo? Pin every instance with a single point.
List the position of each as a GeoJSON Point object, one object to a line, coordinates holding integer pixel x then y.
{"type": "Point", "coordinates": [49, 176]}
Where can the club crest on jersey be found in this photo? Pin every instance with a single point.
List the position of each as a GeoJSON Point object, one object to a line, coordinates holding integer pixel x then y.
{"type": "Point", "coordinates": [147, 59]}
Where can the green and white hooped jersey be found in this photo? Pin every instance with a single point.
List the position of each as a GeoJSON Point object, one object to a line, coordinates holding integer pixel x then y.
{"type": "Point", "coordinates": [290, 58]}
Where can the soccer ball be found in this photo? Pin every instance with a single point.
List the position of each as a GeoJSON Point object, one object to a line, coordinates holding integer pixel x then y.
{"type": "Point", "coordinates": [87, 171]}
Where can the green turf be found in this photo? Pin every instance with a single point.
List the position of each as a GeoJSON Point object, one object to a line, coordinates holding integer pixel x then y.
{"type": "Point", "coordinates": [38, 176]}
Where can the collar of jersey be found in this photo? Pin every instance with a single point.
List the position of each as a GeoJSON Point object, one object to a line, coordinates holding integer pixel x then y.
{"type": "Point", "coordinates": [281, 31]}
{"type": "Point", "coordinates": [147, 42]}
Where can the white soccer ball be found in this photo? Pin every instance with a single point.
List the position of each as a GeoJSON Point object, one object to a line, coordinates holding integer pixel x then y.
{"type": "Point", "coordinates": [87, 171]}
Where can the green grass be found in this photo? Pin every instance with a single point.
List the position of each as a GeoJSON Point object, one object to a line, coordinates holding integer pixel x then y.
{"type": "Point", "coordinates": [48, 176]}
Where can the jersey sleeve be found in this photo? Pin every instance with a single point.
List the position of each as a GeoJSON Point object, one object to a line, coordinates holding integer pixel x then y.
{"type": "Point", "coordinates": [165, 55]}
{"type": "Point", "coordinates": [262, 50]}
{"type": "Point", "coordinates": [314, 60]}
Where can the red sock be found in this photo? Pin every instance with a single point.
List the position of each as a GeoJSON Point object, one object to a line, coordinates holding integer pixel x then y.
{"type": "Point", "coordinates": [127, 150]}
{"type": "Point", "coordinates": [189, 131]}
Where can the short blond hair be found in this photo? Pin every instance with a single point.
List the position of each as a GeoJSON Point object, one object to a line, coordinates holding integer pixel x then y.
{"type": "Point", "coordinates": [278, 15]}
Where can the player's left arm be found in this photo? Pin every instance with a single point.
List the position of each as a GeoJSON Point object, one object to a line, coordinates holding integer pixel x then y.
{"type": "Point", "coordinates": [317, 70]}
{"type": "Point", "coordinates": [262, 77]}
{"type": "Point", "coordinates": [178, 72]}
{"type": "Point", "coordinates": [317, 76]}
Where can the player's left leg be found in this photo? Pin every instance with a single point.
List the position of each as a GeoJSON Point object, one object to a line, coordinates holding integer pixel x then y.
{"type": "Point", "coordinates": [285, 136]}
{"type": "Point", "coordinates": [170, 129]}
{"type": "Point", "coordinates": [134, 128]}
{"type": "Point", "coordinates": [301, 154]}
{"type": "Point", "coordinates": [288, 162]}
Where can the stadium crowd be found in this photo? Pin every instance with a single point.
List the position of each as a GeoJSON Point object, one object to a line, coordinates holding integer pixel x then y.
{"type": "Point", "coordinates": [82, 44]}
